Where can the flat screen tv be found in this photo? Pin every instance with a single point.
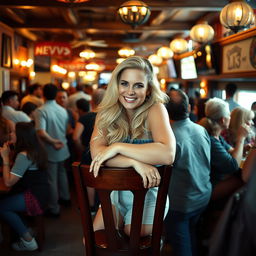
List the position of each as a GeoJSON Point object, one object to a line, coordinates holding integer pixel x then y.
{"type": "Point", "coordinates": [188, 68]}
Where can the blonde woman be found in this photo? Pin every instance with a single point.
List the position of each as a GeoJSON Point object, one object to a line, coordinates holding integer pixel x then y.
{"type": "Point", "coordinates": [240, 116]}
{"type": "Point", "coordinates": [132, 130]}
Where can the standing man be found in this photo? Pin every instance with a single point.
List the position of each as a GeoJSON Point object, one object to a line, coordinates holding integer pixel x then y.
{"type": "Point", "coordinates": [34, 95]}
{"type": "Point", "coordinates": [190, 187]}
{"type": "Point", "coordinates": [230, 93]}
{"type": "Point", "coordinates": [79, 94]}
{"type": "Point", "coordinates": [51, 124]}
{"type": "Point", "coordinates": [10, 104]}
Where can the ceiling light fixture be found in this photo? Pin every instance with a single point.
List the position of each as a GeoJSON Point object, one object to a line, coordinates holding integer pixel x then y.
{"type": "Point", "coordinates": [134, 13]}
{"type": "Point", "coordinates": [126, 52]}
{"type": "Point", "coordinates": [155, 60]}
{"type": "Point", "coordinates": [179, 45]}
{"type": "Point", "coordinates": [236, 16]}
{"type": "Point", "coordinates": [119, 60]}
{"type": "Point", "coordinates": [87, 54]}
{"type": "Point", "coordinates": [165, 52]}
{"type": "Point", "coordinates": [202, 33]}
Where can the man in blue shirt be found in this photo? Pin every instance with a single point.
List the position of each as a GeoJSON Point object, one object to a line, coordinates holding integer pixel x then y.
{"type": "Point", "coordinates": [51, 124]}
{"type": "Point", "coordinates": [190, 187]}
{"type": "Point", "coordinates": [10, 105]}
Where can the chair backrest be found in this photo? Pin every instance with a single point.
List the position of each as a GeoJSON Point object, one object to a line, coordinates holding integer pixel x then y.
{"type": "Point", "coordinates": [111, 241]}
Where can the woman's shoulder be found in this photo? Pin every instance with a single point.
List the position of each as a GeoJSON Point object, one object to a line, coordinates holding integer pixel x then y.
{"type": "Point", "coordinates": [157, 112]}
{"type": "Point", "coordinates": [157, 108]}
{"type": "Point", "coordinates": [22, 157]}
{"type": "Point", "coordinates": [22, 154]}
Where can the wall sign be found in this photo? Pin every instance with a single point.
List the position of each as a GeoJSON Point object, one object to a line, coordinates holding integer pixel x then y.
{"type": "Point", "coordinates": [55, 49]}
{"type": "Point", "coordinates": [240, 56]}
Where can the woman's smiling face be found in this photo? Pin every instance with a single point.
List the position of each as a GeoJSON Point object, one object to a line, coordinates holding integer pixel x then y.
{"type": "Point", "coordinates": [133, 88]}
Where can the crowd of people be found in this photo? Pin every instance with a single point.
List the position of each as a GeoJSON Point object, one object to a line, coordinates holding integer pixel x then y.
{"type": "Point", "coordinates": [130, 124]}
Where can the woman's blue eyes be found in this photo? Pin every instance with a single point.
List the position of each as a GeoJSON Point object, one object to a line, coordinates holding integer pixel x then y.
{"type": "Point", "coordinates": [134, 86]}
{"type": "Point", "coordinates": [138, 85]}
{"type": "Point", "coordinates": [124, 83]}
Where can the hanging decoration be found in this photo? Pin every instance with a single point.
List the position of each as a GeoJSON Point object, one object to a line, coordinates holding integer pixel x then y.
{"type": "Point", "coordinates": [134, 13]}
{"type": "Point", "coordinates": [237, 15]}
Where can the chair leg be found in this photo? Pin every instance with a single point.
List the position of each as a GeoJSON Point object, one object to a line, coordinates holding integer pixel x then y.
{"type": "Point", "coordinates": [40, 232]}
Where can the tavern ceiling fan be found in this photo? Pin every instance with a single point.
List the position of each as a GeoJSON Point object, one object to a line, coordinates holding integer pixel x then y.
{"type": "Point", "coordinates": [88, 42]}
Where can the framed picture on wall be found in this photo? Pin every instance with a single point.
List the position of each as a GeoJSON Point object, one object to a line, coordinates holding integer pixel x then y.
{"type": "Point", "coordinates": [6, 60]}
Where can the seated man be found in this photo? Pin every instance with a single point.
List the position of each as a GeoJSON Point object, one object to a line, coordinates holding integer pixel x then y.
{"type": "Point", "coordinates": [190, 186]}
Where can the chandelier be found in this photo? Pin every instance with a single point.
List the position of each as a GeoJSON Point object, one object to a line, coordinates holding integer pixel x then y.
{"type": "Point", "coordinates": [134, 13]}
{"type": "Point", "coordinates": [73, 1]}
{"type": "Point", "coordinates": [237, 15]}
{"type": "Point", "coordinates": [126, 52]}
{"type": "Point", "coordinates": [165, 52]}
{"type": "Point", "coordinates": [202, 33]}
{"type": "Point", "coordinates": [179, 45]}
{"type": "Point", "coordinates": [87, 54]}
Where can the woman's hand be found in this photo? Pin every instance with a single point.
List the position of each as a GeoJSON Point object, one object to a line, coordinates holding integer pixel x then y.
{"type": "Point", "coordinates": [5, 151]}
{"type": "Point", "coordinates": [150, 175]}
{"type": "Point", "coordinates": [101, 157]}
{"type": "Point", "coordinates": [243, 131]}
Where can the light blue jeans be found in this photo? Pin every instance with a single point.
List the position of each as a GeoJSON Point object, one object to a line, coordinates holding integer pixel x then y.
{"type": "Point", "coordinates": [9, 209]}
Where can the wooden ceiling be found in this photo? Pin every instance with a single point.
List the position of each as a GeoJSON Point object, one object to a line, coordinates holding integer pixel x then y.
{"type": "Point", "coordinates": [96, 24]}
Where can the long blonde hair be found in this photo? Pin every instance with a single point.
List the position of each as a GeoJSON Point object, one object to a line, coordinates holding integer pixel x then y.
{"type": "Point", "coordinates": [239, 116]}
{"type": "Point", "coordinates": [112, 120]}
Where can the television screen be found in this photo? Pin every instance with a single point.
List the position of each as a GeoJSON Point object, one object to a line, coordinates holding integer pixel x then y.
{"type": "Point", "coordinates": [104, 78]}
{"type": "Point", "coordinates": [205, 62]}
{"type": "Point", "coordinates": [188, 68]}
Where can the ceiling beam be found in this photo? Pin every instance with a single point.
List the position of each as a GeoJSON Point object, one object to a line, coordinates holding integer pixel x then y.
{"type": "Point", "coordinates": [26, 33]}
{"type": "Point", "coordinates": [14, 15]}
{"type": "Point", "coordinates": [161, 18]}
{"type": "Point", "coordinates": [70, 16]}
{"type": "Point", "coordinates": [103, 4]}
{"type": "Point", "coordinates": [101, 26]}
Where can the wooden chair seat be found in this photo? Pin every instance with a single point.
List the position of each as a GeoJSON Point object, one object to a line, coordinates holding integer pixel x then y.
{"type": "Point", "coordinates": [110, 241]}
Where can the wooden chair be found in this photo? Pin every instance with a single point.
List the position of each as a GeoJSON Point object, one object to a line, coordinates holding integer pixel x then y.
{"type": "Point", "coordinates": [112, 242]}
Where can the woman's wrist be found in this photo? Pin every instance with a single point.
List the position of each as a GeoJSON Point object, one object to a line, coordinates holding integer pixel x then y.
{"type": "Point", "coordinates": [240, 140]}
{"type": "Point", "coordinates": [6, 163]}
{"type": "Point", "coordinates": [116, 147]}
{"type": "Point", "coordinates": [133, 162]}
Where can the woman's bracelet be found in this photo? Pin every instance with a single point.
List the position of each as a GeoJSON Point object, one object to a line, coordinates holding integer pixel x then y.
{"type": "Point", "coordinates": [6, 164]}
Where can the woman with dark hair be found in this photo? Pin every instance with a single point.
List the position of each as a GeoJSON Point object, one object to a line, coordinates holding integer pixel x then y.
{"type": "Point", "coordinates": [28, 181]}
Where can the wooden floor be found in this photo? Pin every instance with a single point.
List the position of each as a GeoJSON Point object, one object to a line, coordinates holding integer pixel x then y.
{"type": "Point", "coordinates": [64, 236]}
